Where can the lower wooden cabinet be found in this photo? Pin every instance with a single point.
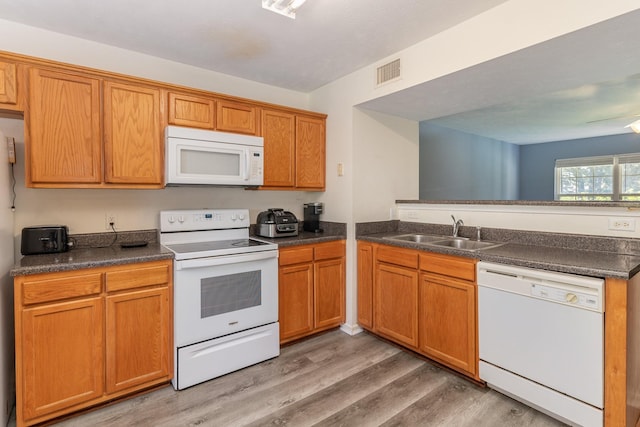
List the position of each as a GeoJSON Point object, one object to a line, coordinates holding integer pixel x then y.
{"type": "Point", "coordinates": [423, 301]}
{"type": "Point", "coordinates": [311, 289]}
{"type": "Point", "coordinates": [448, 321]}
{"type": "Point", "coordinates": [88, 336]}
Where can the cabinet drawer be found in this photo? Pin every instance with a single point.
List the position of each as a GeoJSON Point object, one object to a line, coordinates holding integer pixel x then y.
{"type": "Point", "coordinates": [54, 287]}
{"type": "Point", "coordinates": [329, 250]}
{"type": "Point", "coordinates": [398, 256]}
{"type": "Point", "coordinates": [447, 265]}
{"type": "Point", "coordinates": [296, 255]}
{"type": "Point", "coordinates": [138, 277]}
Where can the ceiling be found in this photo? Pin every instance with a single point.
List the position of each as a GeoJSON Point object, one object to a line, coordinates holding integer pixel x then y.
{"type": "Point", "coordinates": [581, 85]}
{"type": "Point", "coordinates": [560, 89]}
{"type": "Point", "coordinates": [327, 40]}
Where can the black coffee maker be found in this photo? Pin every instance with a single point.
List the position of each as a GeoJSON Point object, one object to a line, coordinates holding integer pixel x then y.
{"type": "Point", "coordinates": [312, 213]}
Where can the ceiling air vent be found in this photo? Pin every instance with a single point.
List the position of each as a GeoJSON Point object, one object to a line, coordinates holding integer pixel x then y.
{"type": "Point", "coordinates": [388, 72]}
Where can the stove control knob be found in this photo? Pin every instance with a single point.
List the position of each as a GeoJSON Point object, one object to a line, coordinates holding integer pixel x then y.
{"type": "Point", "coordinates": [233, 217]}
{"type": "Point", "coordinates": [180, 219]}
{"type": "Point", "coordinates": [241, 216]}
{"type": "Point", "coordinates": [171, 219]}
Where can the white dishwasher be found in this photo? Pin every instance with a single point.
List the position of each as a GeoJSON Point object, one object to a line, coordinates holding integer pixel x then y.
{"type": "Point", "coordinates": [541, 339]}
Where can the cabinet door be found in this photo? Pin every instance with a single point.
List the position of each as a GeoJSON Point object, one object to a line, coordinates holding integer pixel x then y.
{"type": "Point", "coordinates": [278, 131]}
{"type": "Point", "coordinates": [133, 135]}
{"type": "Point", "coordinates": [448, 321]}
{"type": "Point", "coordinates": [8, 83]}
{"type": "Point", "coordinates": [64, 137]}
{"type": "Point", "coordinates": [237, 117]}
{"type": "Point", "coordinates": [396, 303]}
{"type": "Point", "coordinates": [62, 356]}
{"type": "Point", "coordinates": [192, 111]}
{"type": "Point", "coordinates": [310, 153]}
{"type": "Point", "coordinates": [365, 285]}
{"type": "Point", "coordinates": [295, 302]}
{"type": "Point", "coordinates": [329, 283]}
{"type": "Point", "coordinates": [138, 338]}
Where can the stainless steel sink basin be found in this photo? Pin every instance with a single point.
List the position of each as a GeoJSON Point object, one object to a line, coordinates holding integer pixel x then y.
{"type": "Point", "coordinates": [461, 243]}
{"type": "Point", "coordinates": [416, 238]}
{"type": "Point", "coordinates": [464, 244]}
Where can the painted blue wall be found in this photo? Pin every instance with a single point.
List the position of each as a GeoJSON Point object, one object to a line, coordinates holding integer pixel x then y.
{"type": "Point", "coordinates": [456, 165]}
{"type": "Point", "coordinates": [537, 161]}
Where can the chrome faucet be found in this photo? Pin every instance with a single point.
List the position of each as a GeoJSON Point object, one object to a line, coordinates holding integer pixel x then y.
{"type": "Point", "coordinates": [456, 225]}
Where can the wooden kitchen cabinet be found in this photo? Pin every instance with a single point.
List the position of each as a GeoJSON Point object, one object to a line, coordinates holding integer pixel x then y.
{"type": "Point", "coordinates": [295, 299]}
{"type": "Point", "coordinates": [8, 85]}
{"type": "Point", "coordinates": [448, 321]}
{"type": "Point", "coordinates": [62, 356]}
{"type": "Point", "coordinates": [64, 141]}
{"type": "Point", "coordinates": [237, 117]}
{"type": "Point", "coordinates": [310, 153]}
{"type": "Point", "coordinates": [424, 301]}
{"type": "Point", "coordinates": [365, 284]}
{"type": "Point", "coordinates": [279, 133]}
{"type": "Point", "coordinates": [78, 122]}
{"type": "Point", "coordinates": [294, 151]}
{"type": "Point", "coordinates": [88, 128]}
{"type": "Point", "coordinates": [396, 295]}
{"type": "Point", "coordinates": [311, 289]}
{"type": "Point", "coordinates": [88, 336]}
{"type": "Point", "coordinates": [133, 135]}
{"type": "Point", "coordinates": [448, 313]}
{"type": "Point", "coordinates": [191, 111]}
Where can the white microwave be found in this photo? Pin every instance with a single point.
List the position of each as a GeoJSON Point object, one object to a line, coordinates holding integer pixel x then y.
{"type": "Point", "coordinates": [204, 157]}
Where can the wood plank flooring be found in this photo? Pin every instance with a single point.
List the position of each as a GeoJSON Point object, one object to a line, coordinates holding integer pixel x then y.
{"type": "Point", "coordinates": [328, 380]}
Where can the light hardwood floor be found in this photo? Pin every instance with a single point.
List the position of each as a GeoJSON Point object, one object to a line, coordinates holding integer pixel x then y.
{"type": "Point", "coordinates": [328, 380]}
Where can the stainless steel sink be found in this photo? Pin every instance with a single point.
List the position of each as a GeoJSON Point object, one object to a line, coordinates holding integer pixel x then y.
{"type": "Point", "coordinates": [464, 244]}
{"type": "Point", "coordinates": [416, 238]}
{"type": "Point", "coordinates": [461, 243]}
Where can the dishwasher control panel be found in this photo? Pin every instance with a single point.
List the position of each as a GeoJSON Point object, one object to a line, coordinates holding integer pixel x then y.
{"type": "Point", "coordinates": [572, 290]}
{"type": "Point", "coordinates": [572, 297]}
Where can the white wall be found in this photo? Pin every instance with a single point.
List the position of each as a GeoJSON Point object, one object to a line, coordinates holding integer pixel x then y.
{"type": "Point", "coordinates": [572, 219]}
{"type": "Point", "coordinates": [7, 393]}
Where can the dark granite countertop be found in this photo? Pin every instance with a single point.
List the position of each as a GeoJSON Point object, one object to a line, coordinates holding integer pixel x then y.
{"type": "Point", "coordinates": [95, 250]}
{"type": "Point", "coordinates": [76, 259]}
{"type": "Point", "coordinates": [548, 251]}
{"type": "Point", "coordinates": [332, 231]}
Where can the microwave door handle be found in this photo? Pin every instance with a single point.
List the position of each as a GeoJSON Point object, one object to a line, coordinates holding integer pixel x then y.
{"type": "Point", "coordinates": [246, 164]}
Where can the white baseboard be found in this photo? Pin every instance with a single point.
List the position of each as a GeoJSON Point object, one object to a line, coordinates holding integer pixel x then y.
{"type": "Point", "coordinates": [351, 329]}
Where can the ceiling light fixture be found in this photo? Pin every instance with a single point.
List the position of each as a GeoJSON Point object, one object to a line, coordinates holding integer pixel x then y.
{"type": "Point", "coordinates": [635, 126]}
{"type": "Point", "coordinates": [283, 7]}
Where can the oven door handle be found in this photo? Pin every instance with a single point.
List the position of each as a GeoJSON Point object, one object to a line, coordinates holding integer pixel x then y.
{"type": "Point", "coordinates": [224, 260]}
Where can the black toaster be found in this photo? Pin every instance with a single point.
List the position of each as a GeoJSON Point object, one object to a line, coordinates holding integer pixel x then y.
{"type": "Point", "coordinates": [44, 239]}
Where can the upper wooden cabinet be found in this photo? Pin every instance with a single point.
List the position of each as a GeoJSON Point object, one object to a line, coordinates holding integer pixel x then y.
{"type": "Point", "coordinates": [133, 144]}
{"type": "Point", "coordinates": [213, 113]}
{"type": "Point", "coordinates": [238, 117]}
{"type": "Point", "coordinates": [8, 84]}
{"type": "Point", "coordinates": [64, 131]}
{"type": "Point", "coordinates": [279, 133]}
{"type": "Point", "coordinates": [294, 147]}
{"type": "Point", "coordinates": [310, 153]}
{"type": "Point", "coordinates": [88, 128]}
{"type": "Point", "coordinates": [192, 111]}
{"type": "Point", "coordinates": [80, 134]}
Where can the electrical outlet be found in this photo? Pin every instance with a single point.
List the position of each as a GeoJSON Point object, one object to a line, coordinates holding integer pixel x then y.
{"type": "Point", "coordinates": [623, 224]}
{"type": "Point", "coordinates": [109, 218]}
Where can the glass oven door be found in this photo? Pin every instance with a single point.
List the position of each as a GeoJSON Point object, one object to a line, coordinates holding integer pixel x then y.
{"type": "Point", "coordinates": [237, 292]}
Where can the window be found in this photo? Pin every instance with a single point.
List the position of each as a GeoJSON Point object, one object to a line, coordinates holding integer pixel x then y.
{"type": "Point", "coordinates": [599, 178]}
